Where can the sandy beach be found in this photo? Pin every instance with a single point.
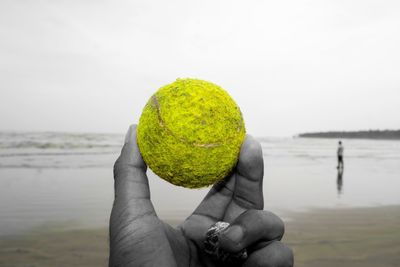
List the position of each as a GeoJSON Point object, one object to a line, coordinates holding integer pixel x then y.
{"type": "Point", "coordinates": [324, 237]}
{"type": "Point", "coordinates": [346, 237]}
{"type": "Point", "coordinates": [56, 194]}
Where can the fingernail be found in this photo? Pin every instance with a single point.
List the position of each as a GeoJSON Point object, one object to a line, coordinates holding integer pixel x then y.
{"type": "Point", "coordinates": [234, 233]}
{"type": "Point", "coordinates": [128, 135]}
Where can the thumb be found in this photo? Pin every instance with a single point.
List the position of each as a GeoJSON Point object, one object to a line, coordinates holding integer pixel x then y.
{"type": "Point", "coordinates": [131, 183]}
{"type": "Point", "coordinates": [136, 235]}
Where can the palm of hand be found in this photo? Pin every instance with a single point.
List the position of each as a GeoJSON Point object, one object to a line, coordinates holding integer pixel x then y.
{"type": "Point", "coordinates": [139, 238]}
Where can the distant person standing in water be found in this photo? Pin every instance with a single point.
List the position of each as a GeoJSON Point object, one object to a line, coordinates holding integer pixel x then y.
{"type": "Point", "coordinates": [340, 155]}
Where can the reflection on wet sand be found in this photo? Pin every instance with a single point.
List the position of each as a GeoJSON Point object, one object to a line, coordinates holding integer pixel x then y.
{"type": "Point", "coordinates": [339, 181]}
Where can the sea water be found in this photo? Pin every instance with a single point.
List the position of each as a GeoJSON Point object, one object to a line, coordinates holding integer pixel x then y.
{"type": "Point", "coordinates": [62, 178]}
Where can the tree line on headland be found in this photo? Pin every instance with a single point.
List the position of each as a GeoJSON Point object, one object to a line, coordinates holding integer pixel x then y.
{"type": "Point", "coordinates": [371, 134]}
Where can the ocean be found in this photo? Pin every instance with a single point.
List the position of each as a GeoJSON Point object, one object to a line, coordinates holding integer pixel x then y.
{"type": "Point", "coordinates": [51, 178]}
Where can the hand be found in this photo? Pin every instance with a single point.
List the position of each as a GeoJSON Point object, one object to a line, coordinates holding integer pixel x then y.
{"type": "Point", "coordinates": [139, 238]}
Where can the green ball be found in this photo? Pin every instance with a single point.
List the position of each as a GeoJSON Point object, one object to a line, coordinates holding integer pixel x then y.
{"type": "Point", "coordinates": [190, 133]}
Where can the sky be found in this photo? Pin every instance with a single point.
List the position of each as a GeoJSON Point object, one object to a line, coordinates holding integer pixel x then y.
{"type": "Point", "coordinates": [291, 66]}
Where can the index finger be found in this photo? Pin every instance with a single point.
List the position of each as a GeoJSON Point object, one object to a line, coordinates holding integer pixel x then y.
{"type": "Point", "coordinates": [136, 234]}
{"type": "Point", "coordinates": [243, 187]}
{"type": "Point", "coordinates": [248, 192]}
{"type": "Point", "coordinates": [250, 171]}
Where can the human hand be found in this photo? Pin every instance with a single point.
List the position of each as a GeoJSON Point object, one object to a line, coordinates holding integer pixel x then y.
{"type": "Point", "coordinates": [139, 238]}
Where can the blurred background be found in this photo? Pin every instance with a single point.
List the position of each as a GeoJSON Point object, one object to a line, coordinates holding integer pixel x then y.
{"type": "Point", "coordinates": [75, 74]}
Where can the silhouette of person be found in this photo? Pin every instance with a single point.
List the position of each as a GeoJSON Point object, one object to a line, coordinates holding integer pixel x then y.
{"type": "Point", "coordinates": [340, 155]}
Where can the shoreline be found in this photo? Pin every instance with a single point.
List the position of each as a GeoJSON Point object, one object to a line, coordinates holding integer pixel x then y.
{"type": "Point", "coordinates": [362, 134]}
{"type": "Point", "coordinates": [319, 237]}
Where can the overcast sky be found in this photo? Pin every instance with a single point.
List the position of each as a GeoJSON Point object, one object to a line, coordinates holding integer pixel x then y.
{"type": "Point", "coordinates": [292, 66]}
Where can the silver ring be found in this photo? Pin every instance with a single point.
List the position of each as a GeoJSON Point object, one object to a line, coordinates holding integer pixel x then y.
{"type": "Point", "coordinates": [212, 248]}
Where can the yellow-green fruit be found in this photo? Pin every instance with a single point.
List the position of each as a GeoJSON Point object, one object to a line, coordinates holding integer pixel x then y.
{"type": "Point", "coordinates": [190, 133]}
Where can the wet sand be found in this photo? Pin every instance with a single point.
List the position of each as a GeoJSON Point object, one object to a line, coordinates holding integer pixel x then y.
{"type": "Point", "coordinates": [346, 237]}
{"type": "Point", "coordinates": [327, 237]}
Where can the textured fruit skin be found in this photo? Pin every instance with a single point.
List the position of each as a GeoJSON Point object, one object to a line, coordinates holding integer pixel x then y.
{"type": "Point", "coordinates": [190, 133]}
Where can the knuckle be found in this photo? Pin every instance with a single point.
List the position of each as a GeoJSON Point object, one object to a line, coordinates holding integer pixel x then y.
{"type": "Point", "coordinates": [117, 166]}
{"type": "Point", "coordinates": [282, 255]}
{"type": "Point", "coordinates": [274, 227]}
{"type": "Point", "coordinates": [120, 167]}
{"type": "Point", "coordinates": [275, 220]}
{"type": "Point", "coordinates": [265, 223]}
{"type": "Point", "coordinates": [252, 212]}
{"type": "Point", "coordinates": [279, 227]}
